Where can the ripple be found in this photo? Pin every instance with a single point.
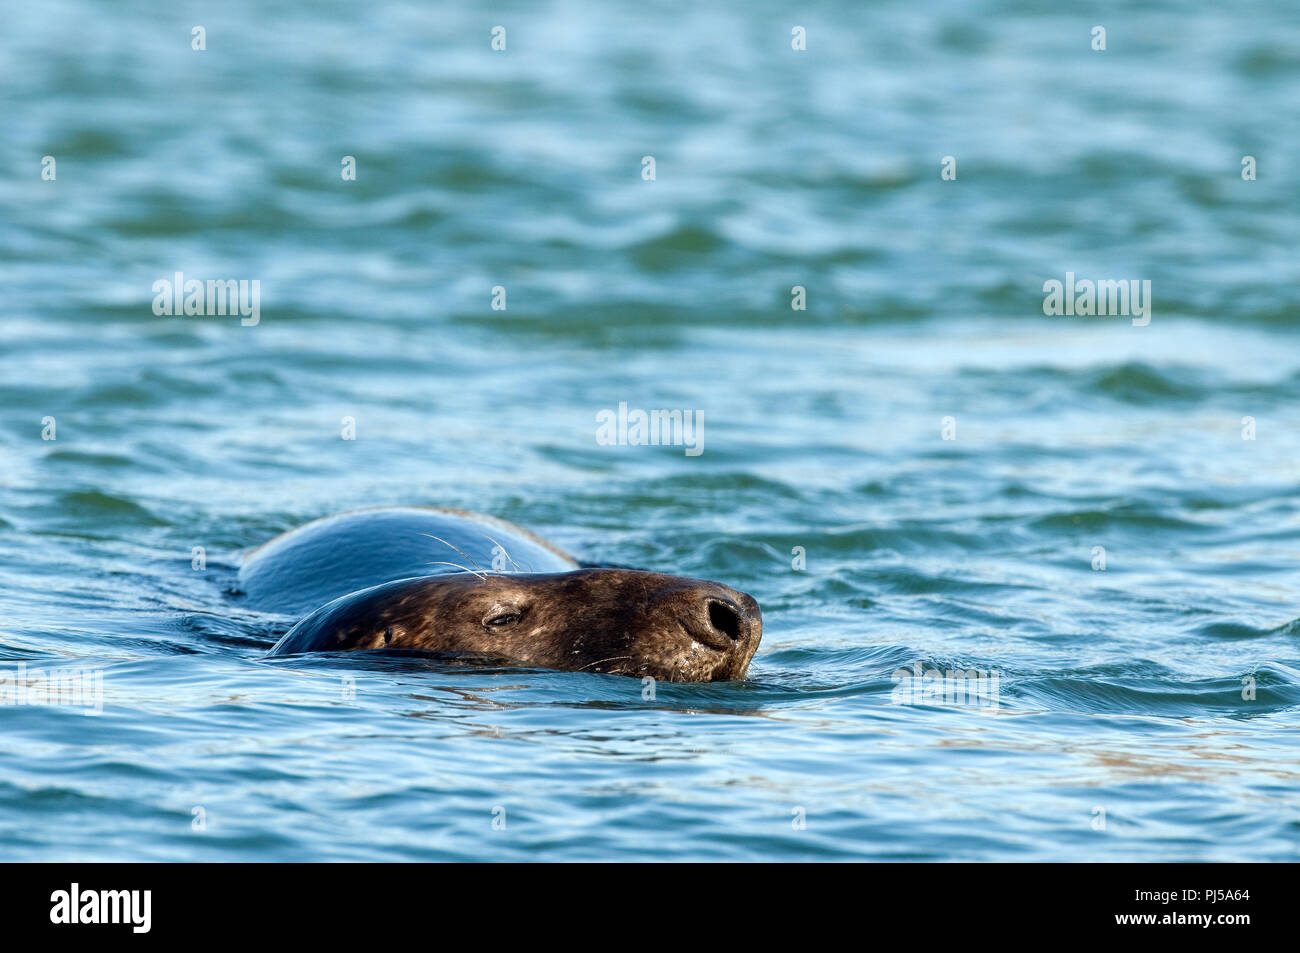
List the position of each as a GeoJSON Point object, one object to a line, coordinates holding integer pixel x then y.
{"type": "Point", "coordinates": [98, 508]}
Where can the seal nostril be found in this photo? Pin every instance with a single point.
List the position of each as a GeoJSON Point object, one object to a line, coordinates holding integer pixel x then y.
{"type": "Point", "coordinates": [725, 618]}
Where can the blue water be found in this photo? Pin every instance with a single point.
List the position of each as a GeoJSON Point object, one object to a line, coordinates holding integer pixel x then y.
{"type": "Point", "coordinates": [1160, 695]}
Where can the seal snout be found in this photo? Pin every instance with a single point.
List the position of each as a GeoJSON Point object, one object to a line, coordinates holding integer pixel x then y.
{"type": "Point", "coordinates": [723, 619]}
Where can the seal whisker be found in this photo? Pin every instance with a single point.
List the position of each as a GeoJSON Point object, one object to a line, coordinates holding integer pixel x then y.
{"type": "Point", "coordinates": [442, 562]}
{"type": "Point", "coordinates": [504, 550]}
{"type": "Point", "coordinates": [458, 549]}
{"type": "Point", "coordinates": [599, 660]}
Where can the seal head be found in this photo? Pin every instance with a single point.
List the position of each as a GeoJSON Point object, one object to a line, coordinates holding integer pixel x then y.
{"type": "Point", "coordinates": [615, 621]}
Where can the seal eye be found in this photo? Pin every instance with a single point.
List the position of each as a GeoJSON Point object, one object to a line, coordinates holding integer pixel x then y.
{"type": "Point", "coordinates": [499, 617]}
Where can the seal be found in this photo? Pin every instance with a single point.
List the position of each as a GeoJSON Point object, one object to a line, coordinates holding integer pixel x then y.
{"type": "Point", "coordinates": [462, 584]}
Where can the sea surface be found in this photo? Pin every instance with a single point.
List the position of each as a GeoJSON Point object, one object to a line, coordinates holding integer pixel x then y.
{"type": "Point", "coordinates": [920, 471]}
